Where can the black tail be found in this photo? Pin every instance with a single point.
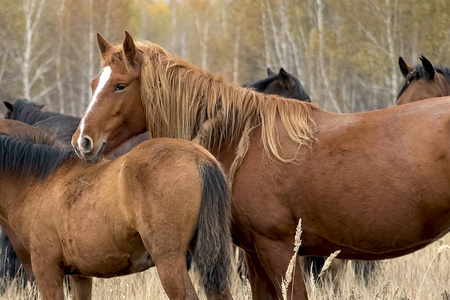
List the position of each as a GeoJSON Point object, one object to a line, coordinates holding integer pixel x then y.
{"type": "Point", "coordinates": [212, 254]}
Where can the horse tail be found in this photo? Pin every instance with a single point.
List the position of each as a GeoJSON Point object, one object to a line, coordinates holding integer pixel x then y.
{"type": "Point", "coordinates": [212, 254]}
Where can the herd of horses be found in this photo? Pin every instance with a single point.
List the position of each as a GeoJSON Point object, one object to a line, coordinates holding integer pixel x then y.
{"type": "Point", "coordinates": [176, 157]}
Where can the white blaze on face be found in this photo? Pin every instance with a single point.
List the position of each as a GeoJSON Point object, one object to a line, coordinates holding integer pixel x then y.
{"type": "Point", "coordinates": [105, 74]}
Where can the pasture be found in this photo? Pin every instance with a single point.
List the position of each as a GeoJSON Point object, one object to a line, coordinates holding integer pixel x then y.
{"type": "Point", "coordinates": [364, 178]}
{"type": "Point", "coordinates": [421, 275]}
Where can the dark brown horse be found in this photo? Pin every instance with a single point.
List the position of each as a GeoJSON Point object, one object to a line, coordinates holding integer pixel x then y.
{"type": "Point", "coordinates": [374, 185]}
{"type": "Point", "coordinates": [63, 126]}
{"type": "Point", "coordinates": [143, 209]}
{"type": "Point", "coordinates": [423, 81]}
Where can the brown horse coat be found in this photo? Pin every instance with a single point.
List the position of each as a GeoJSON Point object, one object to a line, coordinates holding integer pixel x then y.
{"type": "Point", "coordinates": [144, 209]}
{"type": "Point", "coordinates": [423, 82]}
{"type": "Point", "coordinates": [374, 185]}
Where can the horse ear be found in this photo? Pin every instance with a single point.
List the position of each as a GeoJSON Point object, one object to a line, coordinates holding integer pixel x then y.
{"type": "Point", "coordinates": [286, 79]}
{"type": "Point", "coordinates": [428, 67]}
{"type": "Point", "coordinates": [8, 105]}
{"type": "Point", "coordinates": [404, 67]}
{"type": "Point", "coordinates": [129, 47]}
{"type": "Point", "coordinates": [269, 72]}
{"type": "Point", "coordinates": [283, 74]}
{"type": "Point", "coordinates": [103, 45]}
{"type": "Point", "coordinates": [40, 106]}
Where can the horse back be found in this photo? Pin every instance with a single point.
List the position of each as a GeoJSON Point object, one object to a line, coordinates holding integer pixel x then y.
{"type": "Point", "coordinates": [394, 162]}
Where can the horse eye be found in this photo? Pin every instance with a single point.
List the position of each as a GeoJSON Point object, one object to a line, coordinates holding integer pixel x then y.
{"type": "Point", "coordinates": [120, 87]}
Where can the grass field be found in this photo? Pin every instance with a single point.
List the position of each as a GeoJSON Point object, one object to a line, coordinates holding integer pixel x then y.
{"type": "Point", "coordinates": [424, 274]}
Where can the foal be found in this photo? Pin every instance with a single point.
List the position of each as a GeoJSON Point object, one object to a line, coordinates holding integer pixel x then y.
{"type": "Point", "coordinates": [143, 209]}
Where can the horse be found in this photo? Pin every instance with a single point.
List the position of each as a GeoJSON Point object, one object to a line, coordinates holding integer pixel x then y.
{"type": "Point", "coordinates": [422, 81]}
{"type": "Point", "coordinates": [143, 209]}
{"type": "Point", "coordinates": [282, 84]}
{"type": "Point", "coordinates": [374, 185]}
{"type": "Point", "coordinates": [63, 126]}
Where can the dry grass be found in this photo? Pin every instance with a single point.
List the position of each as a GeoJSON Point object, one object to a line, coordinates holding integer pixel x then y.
{"type": "Point", "coordinates": [424, 274]}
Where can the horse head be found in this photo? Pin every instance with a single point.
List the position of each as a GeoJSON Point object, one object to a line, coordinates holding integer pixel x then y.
{"type": "Point", "coordinates": [115, 103]}
{"type": "Point", "coordinates": [423, 81]}
{"type": "Point", "coordinates": [283, 84]}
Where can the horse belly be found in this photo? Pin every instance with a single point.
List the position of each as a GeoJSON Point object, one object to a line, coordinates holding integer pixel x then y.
{"type": "Point", "coordinates": [103, 255]}
{"type": "Point", "coordinates": [110, 264]}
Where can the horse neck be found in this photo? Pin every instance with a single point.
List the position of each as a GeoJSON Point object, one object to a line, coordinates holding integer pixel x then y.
{"type": "Point", "coordinates": [447, 85]}
{"type": "Point", "coordinates": [32, 115]}
{"type": "Point", "coordinates": [196, 113]}
{"type": "Point", "coordinates": [11, 189]}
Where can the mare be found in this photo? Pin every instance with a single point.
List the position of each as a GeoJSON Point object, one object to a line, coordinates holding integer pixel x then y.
{"type": "Point", "coordinates": [282, 84]}
{"type": "Point", "coordinates": [423, 81]}
{"type": "Point", "coordinates": [143, 209]}
{"type": "Point", "coordinates": [288, 86]}
{"type": "Point", "coordinates": [375, 185]}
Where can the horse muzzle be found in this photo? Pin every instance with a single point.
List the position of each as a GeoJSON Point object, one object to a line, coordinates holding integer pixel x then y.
{"type": "Point", "coordinates": [85, 149]}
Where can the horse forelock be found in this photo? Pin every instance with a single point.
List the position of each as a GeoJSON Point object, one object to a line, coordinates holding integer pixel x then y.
{"type": "Point", "coordinates": [183, 101]}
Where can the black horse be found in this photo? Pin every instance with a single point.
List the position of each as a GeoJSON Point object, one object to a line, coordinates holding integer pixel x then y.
{"type": "Point", "coordinates": [282, 84]}
{"type": "Point", "coordinates": [63, 126]}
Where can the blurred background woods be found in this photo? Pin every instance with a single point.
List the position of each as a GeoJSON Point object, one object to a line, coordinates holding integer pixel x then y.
{"type": "Point", "coordinates": [345, 52]}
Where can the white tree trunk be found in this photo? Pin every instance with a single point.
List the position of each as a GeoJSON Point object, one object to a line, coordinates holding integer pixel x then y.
{"type": "Point", "coordinates": [3, 66]}
{"type": "Point", "coordinates": [90, 55]}
{"type": "Point", "coordinates": [202, 30]}
{"type": "Point", "coordinates": [276, 37]}
{"type": "Point", "coordinates": [236, 55]}
{"type": "Point", "coordinates": [269, 61]}
{"type": "Point", "coordinates": [390, 31]}
{"type": "Point", "coordinates": [320, 7]}
{"type": "Point", "coordinates": [32, 10]}
{"type": "Point", "coordinates": [59, 84]}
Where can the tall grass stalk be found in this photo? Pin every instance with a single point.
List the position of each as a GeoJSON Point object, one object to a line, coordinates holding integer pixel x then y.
{"type": "Point", "coordinates": [291, 267]}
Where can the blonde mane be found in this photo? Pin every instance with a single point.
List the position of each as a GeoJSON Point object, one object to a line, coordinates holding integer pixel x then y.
{"type": "Point", "coordinates": [184, 101]}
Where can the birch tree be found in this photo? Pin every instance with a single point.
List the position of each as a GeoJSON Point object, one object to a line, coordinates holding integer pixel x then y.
{"type": "Point", "coordinates": [31, 57]}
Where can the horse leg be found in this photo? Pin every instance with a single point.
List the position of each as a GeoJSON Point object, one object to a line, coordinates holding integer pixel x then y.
{"type": "Point", "coordinates": [81, 287]}
{"type": "Point", "coordinates": [172, 271]}
{"type": "Point", "coordinates": [49, 278]}
{"type": "Point", "coordinates": [46, 255]}
{"type": "Point", "coordinates": [19, 248]}
{"type": "Point", "coordinates": [275, 257]}
{"type": "Point", "coordinates": [260, 283]}
{"type": "Point", "coordinates": [169, 257]}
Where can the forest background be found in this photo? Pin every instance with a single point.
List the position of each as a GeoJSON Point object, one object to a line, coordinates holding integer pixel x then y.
{"type": "Point", "coordinates": [345, 52]}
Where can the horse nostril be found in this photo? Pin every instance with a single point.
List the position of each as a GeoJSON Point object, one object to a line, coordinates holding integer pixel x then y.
{"type": "Point", "coordinates": [86, 144]}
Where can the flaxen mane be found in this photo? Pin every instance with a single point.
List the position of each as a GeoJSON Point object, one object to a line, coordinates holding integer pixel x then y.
{"type": "Point", "coordinates": [184, 101]}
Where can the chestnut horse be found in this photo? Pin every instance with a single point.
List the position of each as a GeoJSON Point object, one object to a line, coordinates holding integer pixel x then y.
{"type": "Point", "coordinates": [374, 185]}
{"type": "Point", "coordinates": [423, 81]}
{"type": "Point", "coordinates": [143, 209]}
